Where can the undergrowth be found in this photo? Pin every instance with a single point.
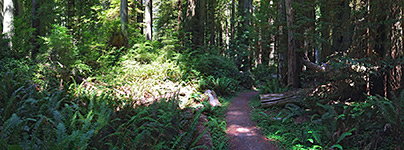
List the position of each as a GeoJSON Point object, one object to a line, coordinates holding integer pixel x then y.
{"type": "Point", "coordinates": [374, 123]}
{"type": "Point", "coordinates": [92, 115]}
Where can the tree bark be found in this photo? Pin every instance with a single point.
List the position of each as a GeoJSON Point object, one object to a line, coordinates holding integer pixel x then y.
{"type": "Point", "coordinates": [149, 19]}
{"type": "Point", "coordinates": [292, 61]}
{"type": "Point", "coordinates": [201, 21]}
{"type": "Point", "coordinates": [282, 43]}
{"type": "Point", "coordinates": [124, 15]}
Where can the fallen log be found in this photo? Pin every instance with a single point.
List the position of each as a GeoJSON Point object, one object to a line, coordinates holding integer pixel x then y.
{"type": "Point", "coordinates": [280, 99]}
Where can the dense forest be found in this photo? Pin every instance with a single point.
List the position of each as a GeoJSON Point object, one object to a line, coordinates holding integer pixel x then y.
{"type": "Point", "coordinates": [131, 74]}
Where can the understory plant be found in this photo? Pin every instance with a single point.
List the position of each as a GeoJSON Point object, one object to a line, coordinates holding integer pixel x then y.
{"type": "Point", "coordinates": [374, 123]}
{"type": "Point", "coordinates": [33, 116]}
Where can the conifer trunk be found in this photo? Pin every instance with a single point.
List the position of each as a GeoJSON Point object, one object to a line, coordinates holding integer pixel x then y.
{"type": "Point", "coordinates": [282, 43]}
{"type": "Point", "coordinates": [124, 15]}
{"type": "Point", "coordinates": [35, 25]}
{"type": "Point", "coordinates": [292, 61]}
{"type": "Point", "coordinates": [149, 19]}
{"type": "Point", "coordinates": [8, 15]}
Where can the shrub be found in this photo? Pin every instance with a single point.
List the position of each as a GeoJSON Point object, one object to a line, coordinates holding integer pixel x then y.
{"type": "Point", "coordinates": [210, 65]}
{"type": "Point", "coordinates": [222, 86]}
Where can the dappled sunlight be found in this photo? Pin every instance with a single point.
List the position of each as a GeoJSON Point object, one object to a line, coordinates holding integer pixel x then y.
{"type": "Point", "coordinates": [140, 84]}
{"type": "Point", "coordinates": [238, 130]}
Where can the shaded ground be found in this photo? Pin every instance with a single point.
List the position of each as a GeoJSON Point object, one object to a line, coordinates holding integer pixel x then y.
{"type": "Point", "coordinates": [243, 133]}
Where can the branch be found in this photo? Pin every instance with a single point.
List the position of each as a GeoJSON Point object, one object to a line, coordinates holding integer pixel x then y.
{"type": "Point", "coordinates": [306, 61]}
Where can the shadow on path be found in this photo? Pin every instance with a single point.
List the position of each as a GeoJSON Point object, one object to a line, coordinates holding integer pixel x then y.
{"type": "Point", "coordinates": [243, 133]}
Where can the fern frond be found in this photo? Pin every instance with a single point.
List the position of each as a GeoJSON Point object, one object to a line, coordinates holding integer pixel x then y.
{"type": "Point", "coordinates": [9, 126]}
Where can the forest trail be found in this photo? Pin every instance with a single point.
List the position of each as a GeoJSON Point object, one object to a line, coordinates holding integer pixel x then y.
{"type": "Point", "coordinates": [242, 131]}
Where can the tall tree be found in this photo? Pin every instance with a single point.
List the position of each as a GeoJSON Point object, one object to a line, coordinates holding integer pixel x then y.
{"type": "Point", "coordinates": [232, 21]}
{"type": "Point", "coordinates": [148, 19]}
{"type": "Point", "coordinates": [342, 33]}
{"type": "Point", "coordinates": [124, 15]}
{"type": "Point", "coordinates": [282, 43]}
{"type": "Point", "coordinates": [195, 21]}
{"type": "Point", "coordinates": [35, 25]}
{"type": "Point", "coordinates": [8, 15]}
{"type": "Point", "coordinates": [292, 57]}
{"type": "Point", "coordinates": [325, 27]}
{"type": "Point", "coordinates": [211, 22]}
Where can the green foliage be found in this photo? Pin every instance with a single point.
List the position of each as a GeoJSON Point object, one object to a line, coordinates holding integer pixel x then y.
{"type": "Point", "coordinates": [217, 123]}
{"type": "Point", "coordinates": [222, 86]}
{"type": "Point", "coordinates": [321, 132]}
{"type": "Point", "coordinates": [271, 86]}
{"type": "Point", "coordinates": [210, 65]}
{"type": "Point", "coordinates": [57, 119]}
{"type": "Point", "coordinates": [22, 37]}
{"type": "Point", "coordinates": [376, 122]}
{"type": "Point", "coordinates": [263, 73]}
{"type": "Point", "coordinates": [63, 55]}
{"type": "Point", "coordinates": [217, 72]}
{"type": "Point", "coordinates": [15, 76]}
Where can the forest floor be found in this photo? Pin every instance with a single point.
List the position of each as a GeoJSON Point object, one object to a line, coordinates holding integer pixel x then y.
{"type": "Point", "coordinates": [242, 131]}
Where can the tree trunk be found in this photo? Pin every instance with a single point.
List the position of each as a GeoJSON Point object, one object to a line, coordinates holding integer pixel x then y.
{"type": "Point", "coordinates": [201, 21]}
{"type": "Point", "coordinates": [232, 21]}
{"type": "Point", "coordinates": [124, 15]}
{"type": "Point", "coordinates": [149, 21]}
{"type": "Point", "coordinates": [212, 22]}
{"type": "Point", "coordinates": [342, 35]}
{"type": "Point", "coordinates": [325, 29]}
{"type": "Point", "coordinates": [35, 25]}
{"type": "Point", "coordinates": [194, 22]}
{"type": "Point", "coordinates": [292, 59]}
{"type": "Point", "coordinates": [8, 15]}
{"type": "Point", "coordinates": [282, 43]}
{"type": "Point", "coordinates": [139, 15]}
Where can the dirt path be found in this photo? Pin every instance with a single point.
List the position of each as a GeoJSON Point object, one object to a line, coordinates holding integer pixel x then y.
{"type": "Point", "coordinates": [243, 133]}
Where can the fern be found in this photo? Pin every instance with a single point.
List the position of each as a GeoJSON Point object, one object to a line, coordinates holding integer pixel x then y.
{"type": "Point", "coordinates": [10, 126]}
